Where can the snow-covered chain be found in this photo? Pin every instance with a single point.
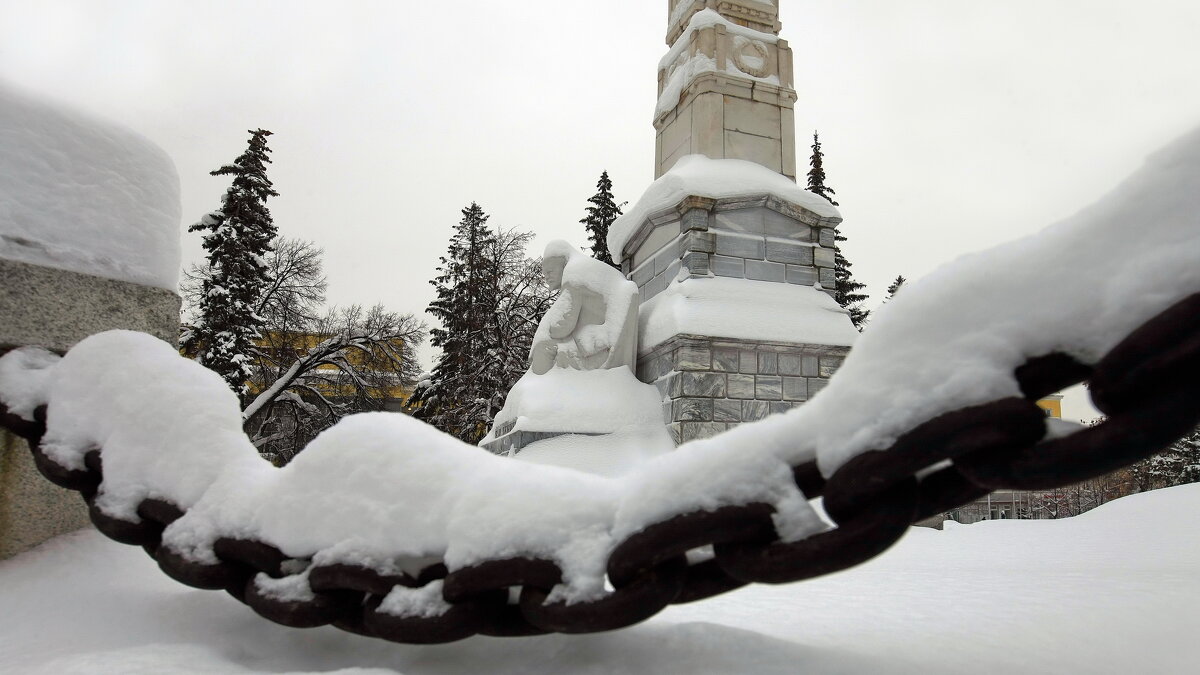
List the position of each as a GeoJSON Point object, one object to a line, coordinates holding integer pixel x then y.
{"type": "Point", "coordinates": [388, 527]}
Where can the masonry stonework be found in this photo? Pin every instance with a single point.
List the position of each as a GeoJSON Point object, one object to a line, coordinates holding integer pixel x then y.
{"type": "Point", "coordinates": [736, 98]}
{"type": "Point", "coordinates": [54, 309]}
{"type": "Point", "coordinates": [709, 384]}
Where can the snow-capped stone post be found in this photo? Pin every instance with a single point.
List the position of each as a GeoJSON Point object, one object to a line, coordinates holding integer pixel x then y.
{"type": "Point", "coordinates": [89, 241]}
{"type": "Point", "coordinates": [733, 261]}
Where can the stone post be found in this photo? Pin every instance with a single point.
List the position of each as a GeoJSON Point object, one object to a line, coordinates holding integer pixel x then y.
{"type": "Point", "coordinates": [85, 184]}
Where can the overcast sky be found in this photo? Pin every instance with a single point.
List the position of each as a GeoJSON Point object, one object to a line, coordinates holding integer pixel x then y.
{"type": "Point", "coordinates": [948, 125]}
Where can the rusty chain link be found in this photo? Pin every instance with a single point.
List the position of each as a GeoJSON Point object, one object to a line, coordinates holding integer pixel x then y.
{"type": "Point", "coordinates": [1148, 385]}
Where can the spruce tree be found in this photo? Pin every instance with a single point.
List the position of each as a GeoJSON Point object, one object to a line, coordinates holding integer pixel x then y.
{"type": "Point", "coordinates": [896, 285]}
{"type": "Point", "coordinates": [846, 289]}
{"type": "Point", "coordinates": [600, 215]}
{"type": "Point", "coordinates": [239, 237]}
{"type": "Point", "coordinates": [456, 398]}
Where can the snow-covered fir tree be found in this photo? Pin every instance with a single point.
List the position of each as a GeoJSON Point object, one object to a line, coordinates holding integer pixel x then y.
{"type": "Point", "coordinates": [1177, 465]}
{"type": "Point", "coordinates": [239, 237]}
{"type": "Point", "coordinates": [816, 172]}
{"type": "Point", "coordinates": [522, 300]}
{"type": "Point", "coordinates": [456, 397]}
{"type": "Point", "coordinates": [896, 285]}
{"type": "Point", "coordinates": [490, 297]}
{"type": "Point", "coordinates": [600, 215]}
{"type": "Point", "coordinates": [846, 289]}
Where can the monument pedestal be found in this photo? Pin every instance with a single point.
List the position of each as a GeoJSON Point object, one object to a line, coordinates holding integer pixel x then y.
{"type": "Point", "coordinates": [738, 320]}
{"type": "Point", "coordinates": [55, 308]}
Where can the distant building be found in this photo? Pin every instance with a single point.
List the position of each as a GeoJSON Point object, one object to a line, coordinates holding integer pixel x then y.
{"type": "Point", "coordinates": [1002, 504]}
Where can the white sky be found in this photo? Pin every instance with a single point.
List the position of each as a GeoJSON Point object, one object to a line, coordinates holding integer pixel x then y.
{"type": "Point", "coordinates": [948, 125]}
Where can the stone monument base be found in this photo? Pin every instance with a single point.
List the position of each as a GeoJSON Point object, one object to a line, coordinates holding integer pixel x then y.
{"type": "Point", "coordinates": [52, 308]}
{"type": "Point", "coordinates": [709, 384]}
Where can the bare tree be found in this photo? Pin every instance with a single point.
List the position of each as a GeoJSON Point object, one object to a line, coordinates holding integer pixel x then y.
{"type": "Point", "coordinates": [350, 360]}
{"type": "Point", "coordinates": [311, 366]}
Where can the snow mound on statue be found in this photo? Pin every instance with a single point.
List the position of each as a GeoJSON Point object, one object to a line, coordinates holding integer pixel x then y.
{"type": "Point", "coordinates": [581, 401]}
{"type": "Point", "coordinates": [612, 455]}
{"type": "Point", "coordinates": [85, 195]}
{"type": "Point", "coordinates": [609, 421]}
{"type": "Point", "coordinates": [746, 310]}
{"type": "Point", "coordinates": [699, 176]}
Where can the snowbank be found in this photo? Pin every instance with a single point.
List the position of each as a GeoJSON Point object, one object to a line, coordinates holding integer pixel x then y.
{"type": "Point", "coordinates": [85, 195]}
{"type": "Point", "coordinates": [1112, 591]}
{"type": "Point", "coordinates": [697, 175]}
{"type": "Point", "coordinates": [380, 490]}
{"type": "Point", "coordinates": [747, 310]}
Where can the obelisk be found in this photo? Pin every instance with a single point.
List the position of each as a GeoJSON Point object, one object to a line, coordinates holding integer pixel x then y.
{"type": "Point", "coordinates": [734, 262]}
{"type": "Point", "coordinates": [725, 86]}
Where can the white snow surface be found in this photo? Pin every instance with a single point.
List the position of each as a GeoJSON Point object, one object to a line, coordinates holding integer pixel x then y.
{"type": "Point", "coordinates": [583, 401]}
{"type": "Point", "coordinates": [612, 455]}
{"type": "Point", "coordinates": [85, 195]}
{"type": "Point", "coordinates": [699, 176]}
{"type": "Point", "coordinates": [1112, 591]}
{"type": "Point", "coordinates": [744, 309]}
{"type": "Point", "coordinates": [387, 486]}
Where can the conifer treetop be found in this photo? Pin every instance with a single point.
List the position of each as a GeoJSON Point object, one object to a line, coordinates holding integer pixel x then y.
{"type": "Point", "coordinates": [816, 173]}
{"type": "Point", "coordinates": [600, 215]}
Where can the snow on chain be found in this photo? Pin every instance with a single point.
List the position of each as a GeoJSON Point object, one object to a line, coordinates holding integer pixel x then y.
{"type": "Point", "coordinates": [389, 492]}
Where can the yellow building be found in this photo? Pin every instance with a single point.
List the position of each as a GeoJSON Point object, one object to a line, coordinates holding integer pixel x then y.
{"type": "Point", "coordinates": [1052, 405]}
{"type": "Point", "coordinates": [380, 367]}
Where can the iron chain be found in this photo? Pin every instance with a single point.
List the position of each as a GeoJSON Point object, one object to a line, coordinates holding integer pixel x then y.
{"type": "Point", "coordinates": [1149, 385]}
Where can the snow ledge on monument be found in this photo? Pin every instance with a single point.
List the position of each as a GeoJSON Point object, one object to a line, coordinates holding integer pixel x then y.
{"type": "Point", "coordinates": [699, 176]}
{"type": "Point", "coordinates": [741, 309]}
{"type": "Point", "coordinates": [85, 195]}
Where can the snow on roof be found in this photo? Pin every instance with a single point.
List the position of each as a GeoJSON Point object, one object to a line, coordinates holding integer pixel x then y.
{"type": "Point", "coordinates": [699, 176]}
{"type": "Point", "coordinates": [747, 310]}
{"type": "Point", "coordinates": [85, 195]}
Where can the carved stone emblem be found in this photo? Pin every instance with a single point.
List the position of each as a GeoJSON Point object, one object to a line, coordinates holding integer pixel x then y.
{"type": "Point", "coordinates": [750, 56]}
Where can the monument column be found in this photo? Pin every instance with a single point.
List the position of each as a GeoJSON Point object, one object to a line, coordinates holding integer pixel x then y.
{"type": "Point", "coordinates": [734, 262]}
{"type": "Point", "coordinates": [725, 87]}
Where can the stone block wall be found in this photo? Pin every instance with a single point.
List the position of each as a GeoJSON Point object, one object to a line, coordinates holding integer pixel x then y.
{"type": "Point", "coordinates": [761, 238]}
{"type": "Point", "coordinates": [712, 384]}
{"type": "Point", "coordinates": [55, 309]}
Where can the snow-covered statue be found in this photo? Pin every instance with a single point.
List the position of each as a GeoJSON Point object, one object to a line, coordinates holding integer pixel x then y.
{"type": "Point", "coordinates": [593, 323]}
{"type": "Point", "coordinates": [580, 405]}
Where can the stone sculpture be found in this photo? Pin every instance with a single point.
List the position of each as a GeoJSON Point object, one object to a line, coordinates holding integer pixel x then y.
{"type": "Point", "coordinates": [593, 323]}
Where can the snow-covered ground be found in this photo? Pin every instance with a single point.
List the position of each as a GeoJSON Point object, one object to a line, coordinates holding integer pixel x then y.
{"type": "Point", "coordinates": [1116, 590]}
